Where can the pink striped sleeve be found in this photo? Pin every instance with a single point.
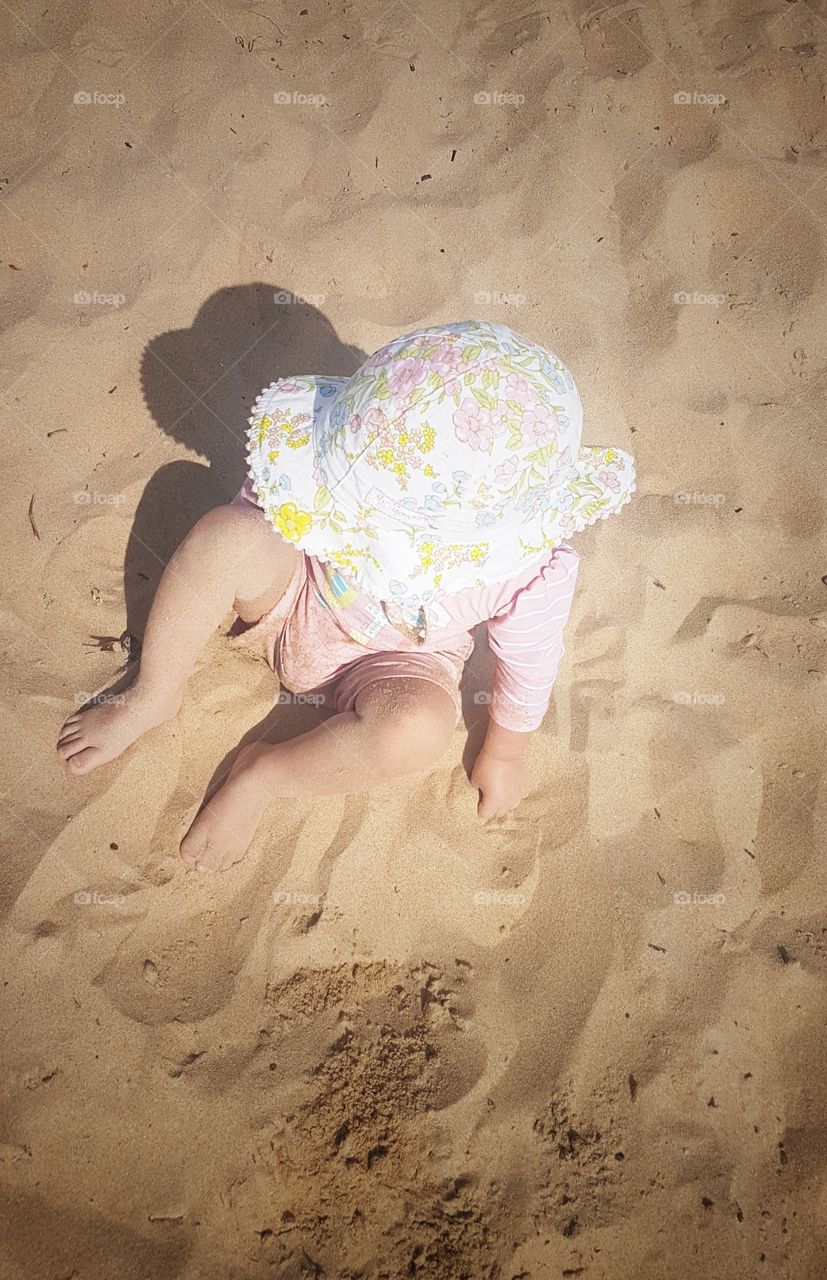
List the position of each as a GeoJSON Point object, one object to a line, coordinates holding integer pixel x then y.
{"type": "Point", "coordinates": [526, 638]}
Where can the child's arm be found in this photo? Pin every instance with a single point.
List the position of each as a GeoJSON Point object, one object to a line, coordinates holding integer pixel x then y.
{"type": "Point", "coordinates": [527, 641]}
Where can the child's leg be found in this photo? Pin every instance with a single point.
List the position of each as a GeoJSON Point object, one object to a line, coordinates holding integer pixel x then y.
{"type": "Point", "coordinates": [231, 558]}
{"type": "Point", "coordinates": [397, 726]}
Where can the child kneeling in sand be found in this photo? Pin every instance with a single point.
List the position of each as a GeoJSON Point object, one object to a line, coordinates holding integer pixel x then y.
{"type": "Point", "coordinates": [386, 514]}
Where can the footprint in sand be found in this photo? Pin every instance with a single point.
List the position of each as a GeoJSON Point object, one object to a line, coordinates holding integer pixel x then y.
{"type": "Point", "coordinates": [614, 43]}
{"type": "Point", "coordinates": [180, 963]}
{"type": "Point", "coordinates": [180, 972]}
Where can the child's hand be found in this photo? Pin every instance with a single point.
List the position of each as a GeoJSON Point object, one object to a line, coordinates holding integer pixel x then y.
{"type": "Point", "coordinates": [502, 784]}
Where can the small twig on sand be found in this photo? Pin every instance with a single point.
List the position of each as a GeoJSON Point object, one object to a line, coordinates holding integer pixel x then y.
{"type": "Point", "coordinates": [35, 530]}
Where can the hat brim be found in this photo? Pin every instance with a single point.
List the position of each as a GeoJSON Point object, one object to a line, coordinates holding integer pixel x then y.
{"type": "Point", "coordinates": [289, 428]}
{"type": "Point", "coordinates": [603, 481]}
{"type": "Point", "coordinates": [289, 421]}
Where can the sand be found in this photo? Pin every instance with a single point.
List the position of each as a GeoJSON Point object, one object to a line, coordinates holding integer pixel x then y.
{"type": "Point", "coordinates": [588, 1041]}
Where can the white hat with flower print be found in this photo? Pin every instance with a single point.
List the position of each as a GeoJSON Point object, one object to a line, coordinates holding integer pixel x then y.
{"type": "Point", "coordinates": [450, 459]}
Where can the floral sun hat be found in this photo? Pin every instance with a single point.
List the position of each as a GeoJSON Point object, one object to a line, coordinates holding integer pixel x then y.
{"type": "Point", "coordinates": [450, 459]}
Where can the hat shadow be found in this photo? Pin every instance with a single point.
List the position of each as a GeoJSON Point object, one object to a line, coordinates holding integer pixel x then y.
{"type": "Point", "coordinates": [199, 384]}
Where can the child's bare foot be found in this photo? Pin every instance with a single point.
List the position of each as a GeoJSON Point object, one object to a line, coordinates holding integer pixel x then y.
{"type": "Point", "coordinates": [224, 829]}
{"type": "Point", "coordinates": [91, 738]}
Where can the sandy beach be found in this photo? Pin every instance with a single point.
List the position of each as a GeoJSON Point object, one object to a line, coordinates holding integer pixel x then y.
{"type": "Point", "coordinates": [588, 1040]}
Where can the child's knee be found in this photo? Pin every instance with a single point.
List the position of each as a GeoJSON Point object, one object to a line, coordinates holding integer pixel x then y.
{"type": "Point", "coordinates": [411, 731]}
{"type": "Point", "coordinates": [243, 542]}
{"type": "Point", "coordinates": [237, 527]}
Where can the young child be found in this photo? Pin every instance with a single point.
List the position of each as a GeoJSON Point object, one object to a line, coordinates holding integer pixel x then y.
{"type": "Point", "coordinates": [386, 514]}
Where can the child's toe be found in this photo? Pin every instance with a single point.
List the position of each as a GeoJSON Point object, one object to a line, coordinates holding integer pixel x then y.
{"type": "Point", "coordinates": [189, 851]}
{"type": "Point", "coordinates": [84, 760]}
{"type": "Point", "coordinates": [69, 746]}
{"type": "Point", "coordinates": [203, 855]}
{"type": "Point", "coordinates": [198, 848]}
{"type": "Point", "coordinates": [209, 859]}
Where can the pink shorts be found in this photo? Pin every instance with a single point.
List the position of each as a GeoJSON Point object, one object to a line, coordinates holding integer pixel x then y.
{"type": "Point", "coordinates": [310, 653]}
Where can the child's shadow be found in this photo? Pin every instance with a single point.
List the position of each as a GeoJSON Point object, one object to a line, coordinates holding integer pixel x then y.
{"type": "Point", "coordinates": [198, 384]}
